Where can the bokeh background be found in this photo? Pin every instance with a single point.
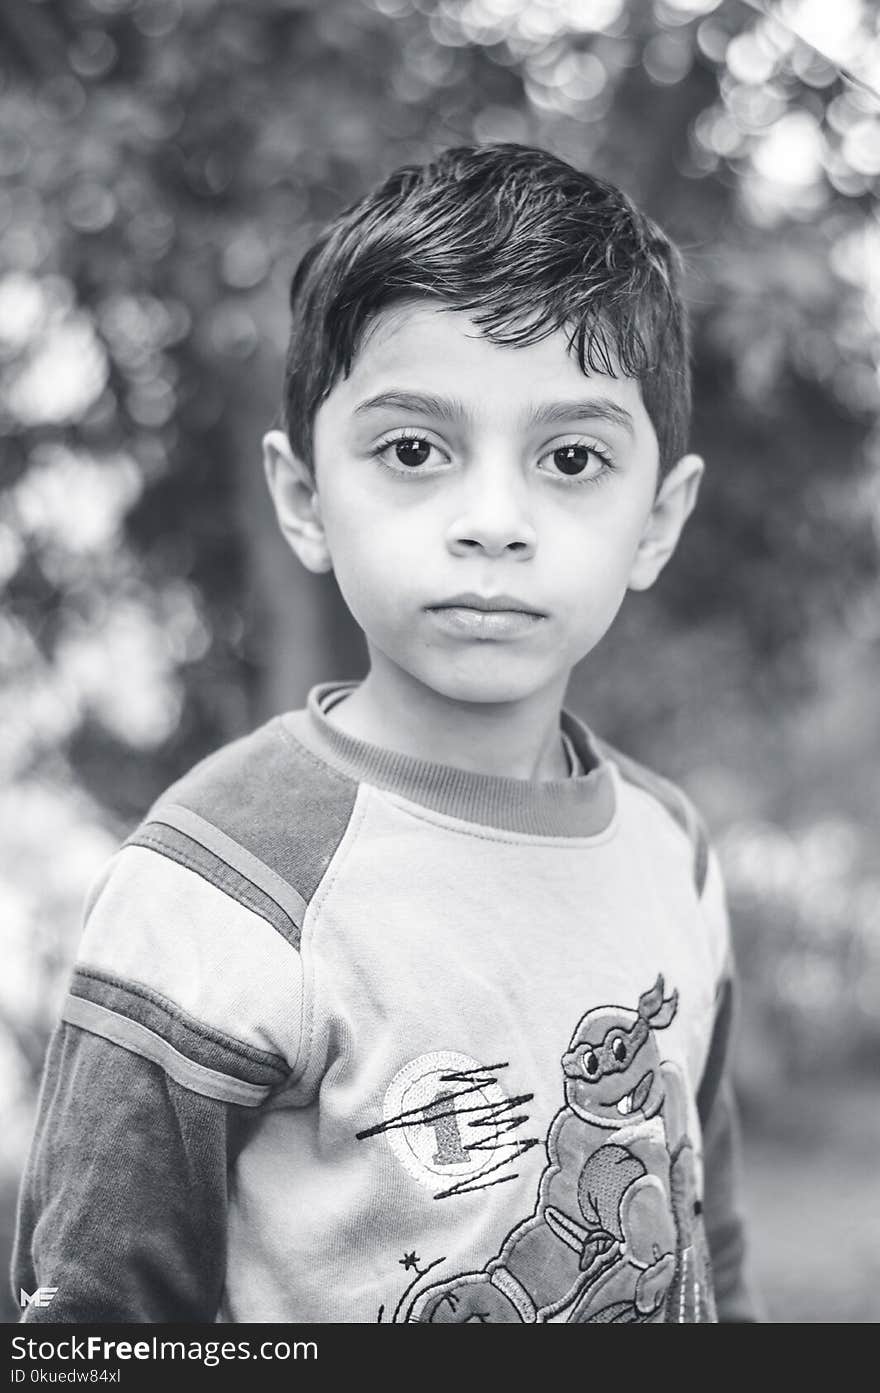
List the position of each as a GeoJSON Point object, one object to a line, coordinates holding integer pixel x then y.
{"type": "Point", "coordinates": [162, 167]}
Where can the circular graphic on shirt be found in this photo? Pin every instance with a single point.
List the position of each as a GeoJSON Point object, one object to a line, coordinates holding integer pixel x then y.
{"type": "Point", "coordinates": [443, 1114]}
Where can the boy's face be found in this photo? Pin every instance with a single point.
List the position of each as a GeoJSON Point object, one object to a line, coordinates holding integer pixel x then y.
{"type": "Point", "coordinates": [454, 475]}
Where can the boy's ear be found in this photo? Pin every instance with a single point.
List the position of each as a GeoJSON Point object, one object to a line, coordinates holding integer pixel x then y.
{"type": "Point", "coordinates": [296, 502]}
{"type": "Point", "coordinates": [672, 507]}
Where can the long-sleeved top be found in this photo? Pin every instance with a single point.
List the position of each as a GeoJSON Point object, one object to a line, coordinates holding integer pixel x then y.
{"type": "Point", "coordinates": [354, 1036]}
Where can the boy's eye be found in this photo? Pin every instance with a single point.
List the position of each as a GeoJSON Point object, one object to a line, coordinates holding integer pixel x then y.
{"type": "Point", "coordinates": [408, 453]}
{"type": "Point", "coordinates": [591, 1063]}
{"type": "Point", "coordinates": [411, 452]}
{"type": "Point", "coordinates": [578, 460]}
{"type": "Point", "coordinates": [571, 459]}
{"type": "Point", "coordinates": [618, 1049]}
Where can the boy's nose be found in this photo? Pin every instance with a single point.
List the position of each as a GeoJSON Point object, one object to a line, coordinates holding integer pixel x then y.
{"type": "Point", "coordinates": [494, 517]}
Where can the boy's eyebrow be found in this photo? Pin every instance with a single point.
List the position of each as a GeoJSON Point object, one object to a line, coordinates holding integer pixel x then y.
{"type": "Point", "coordinates": [447, 408]}
{"type": "Point", "coordinates": [590, 408]}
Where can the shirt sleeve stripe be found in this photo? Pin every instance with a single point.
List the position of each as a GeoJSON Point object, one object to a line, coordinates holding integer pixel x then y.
{"type": "Point", "coordinates": [132, 1036]}
{"type": "Point", "coordinates": [212, 1049]}
{"type": "Point", "coordinates": [235, 855]}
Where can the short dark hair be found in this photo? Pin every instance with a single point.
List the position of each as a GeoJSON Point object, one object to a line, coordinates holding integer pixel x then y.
{"type": "Point", "coordinates": [525, 243]}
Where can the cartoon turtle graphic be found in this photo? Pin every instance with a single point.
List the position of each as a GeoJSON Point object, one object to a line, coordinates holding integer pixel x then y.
{"type": "Point", "coordinates": [616, 1234]}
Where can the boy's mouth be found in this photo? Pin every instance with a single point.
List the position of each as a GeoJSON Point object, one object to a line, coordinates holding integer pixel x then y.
{"type": "Point", "coordinates": [486, 616]}
{"type": "Point", "coordinates": [493, 603]}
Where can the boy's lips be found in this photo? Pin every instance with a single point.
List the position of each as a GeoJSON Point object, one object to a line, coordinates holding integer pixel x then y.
{"type": "Point", "coordinates": [489, 604]}
{"type": "Point", "coordinates": [485, 616]}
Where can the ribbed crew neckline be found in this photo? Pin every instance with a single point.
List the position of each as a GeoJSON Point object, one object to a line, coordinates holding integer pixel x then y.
{"type": "Point", "coordinates": [576, 806]}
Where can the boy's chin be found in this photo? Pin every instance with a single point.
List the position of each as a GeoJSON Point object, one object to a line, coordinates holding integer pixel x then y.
{"type": "Point", "coordinates": [489, 683]}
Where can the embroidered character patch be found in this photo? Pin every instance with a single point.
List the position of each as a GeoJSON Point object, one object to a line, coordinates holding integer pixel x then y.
{"type": "Point", "coordinates": [616, 1234]}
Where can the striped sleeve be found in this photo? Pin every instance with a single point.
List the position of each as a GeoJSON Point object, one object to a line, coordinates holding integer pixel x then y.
{"type": "Point", "coordinates": [123, 1203]}
{"type": "Point", "coordinates": [182, 1025]}
{"type": "Point", "coordinates": [189, 957]}
{"type": "Point", "coordinates": [183, 1017]}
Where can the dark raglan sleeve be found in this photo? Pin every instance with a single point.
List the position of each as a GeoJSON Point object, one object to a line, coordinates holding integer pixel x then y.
{"type": "Point", "coordinates": [716, 1104]}
{"type": "Point", "coordinates": [122, 1208]}
{"type": "Point", "coordinates": [182, 1019]}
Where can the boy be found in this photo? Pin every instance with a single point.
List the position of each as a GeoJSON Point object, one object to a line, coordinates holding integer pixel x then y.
{"type": "Point", "coordinates": [414, 1004]}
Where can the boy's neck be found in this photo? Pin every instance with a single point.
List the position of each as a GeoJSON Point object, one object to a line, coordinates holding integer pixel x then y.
{"type": "Point", "coordinates": [516, 740]}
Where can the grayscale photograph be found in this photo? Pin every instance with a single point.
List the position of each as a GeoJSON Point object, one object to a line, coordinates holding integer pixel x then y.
{"type": "Point", "coordinates": [439, 671]}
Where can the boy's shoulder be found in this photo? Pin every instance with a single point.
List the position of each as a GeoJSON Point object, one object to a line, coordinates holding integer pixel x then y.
{"type": "Point", "coordinates": [670, 801]}
{"type": "Point", "coordinates": [260, 818]}
{"type": "Point", "coordinates": [671, 833]}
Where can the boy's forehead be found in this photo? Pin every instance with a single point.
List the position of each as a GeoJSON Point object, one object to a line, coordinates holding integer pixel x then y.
{"type": "Point", "coordinates": [425, 347]}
